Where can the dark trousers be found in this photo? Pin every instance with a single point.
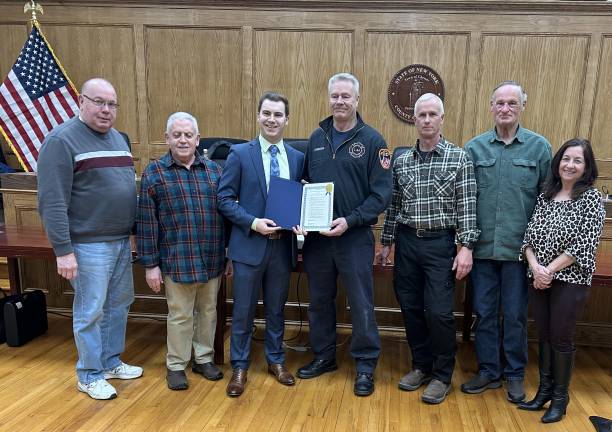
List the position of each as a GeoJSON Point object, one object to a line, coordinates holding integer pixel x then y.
{"type": "Point", "coordinates": [351, 256]}
{"type": "Point", "coordinates": [556, 310]}
{"type": "Point", "coordinates": [273, 275]}
{"type": "Point", "coordinates": [500, 286]}
{"type": "Point", "coordinates": [424, 284]}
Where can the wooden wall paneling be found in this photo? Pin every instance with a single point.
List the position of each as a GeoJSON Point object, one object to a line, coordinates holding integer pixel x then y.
{"type": "Point", "coordinates": [471, 6]}
{"type": "Point", "coordinates": [299, 65]}
{"type": "Point", "coordinates": [13, 36]}
{"type": "Point", "coordinates": [604, 164]}
{"type": "Point", "coordinates": [552, 70]}
{"type": "Point", "coordinates": [599, 305]}
{"type": "Point", "coordinates": [471, 87]}
{"type": "Point", "coordinates": [140, 144]}
{"type": "Point", "coordinates": [443, 15]}
{"type": "Point", "coordinates": [158, 149]}
{"type": "Point", "coordinates": [249, 98]}
{"type": "Point", "coordinates": [21, 208]}
{"type": "Point", "coordinates": [388, 52]}
{"type": "Point", "coordinates": [590, 84]}
{"type": "Point", "coordinates": [42, 274]}
{"type": "Point", "coordinates": [198, 70]}
{"type": "Point", "coordinates": [359, 55]}
{"type": "Point", "coordinates": [105, 51]}
{"type": "Point", "coordinates": [601, 126]}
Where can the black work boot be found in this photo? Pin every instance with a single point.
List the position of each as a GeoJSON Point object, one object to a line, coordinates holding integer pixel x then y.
{"type": "Point", "coordinates": [562, 365]}
{"type": "Point", "coordinates": [545, 389]}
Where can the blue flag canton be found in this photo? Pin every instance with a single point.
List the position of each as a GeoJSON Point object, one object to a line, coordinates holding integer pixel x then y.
{"type": "Point", "coordinates": [36, 67]}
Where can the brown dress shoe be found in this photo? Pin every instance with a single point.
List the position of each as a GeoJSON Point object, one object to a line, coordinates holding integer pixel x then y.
{"type": "Point", "coordinates": [235, 387]}
{"type": "Point", "coordinates": [281, 373]}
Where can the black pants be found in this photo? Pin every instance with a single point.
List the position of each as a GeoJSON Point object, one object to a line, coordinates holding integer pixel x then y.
{"type": "Point", "coordinates": [424, 284]}
{"type": "Point", "coordinates": [350, 256]}
{"type": "Point", "coordinates": [556, 310]}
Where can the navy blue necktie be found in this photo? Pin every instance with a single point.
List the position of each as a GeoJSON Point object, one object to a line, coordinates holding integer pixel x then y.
{"type": "Point", "coordinates": [274, 168]}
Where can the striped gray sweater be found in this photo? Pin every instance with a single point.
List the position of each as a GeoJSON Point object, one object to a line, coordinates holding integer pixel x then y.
{"type": "Point", "coordinates": [86, 186]}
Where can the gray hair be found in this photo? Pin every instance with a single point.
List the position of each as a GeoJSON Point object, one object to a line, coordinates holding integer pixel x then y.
{"type": "Point", "coordinates": [344, 76]}
{"type": "Point", "coordinates": [522, 93]}
{"type": "Point", "coordinates": [426, 97]}
{"type": "Point", "coordinates": [182, 116]}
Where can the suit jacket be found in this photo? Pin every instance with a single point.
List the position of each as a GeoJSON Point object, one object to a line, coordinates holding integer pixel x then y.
{"type": "Point", "coordinates": [242, 197]}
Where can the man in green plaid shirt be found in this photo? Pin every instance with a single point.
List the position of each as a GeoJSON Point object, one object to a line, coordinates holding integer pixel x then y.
{"type": "Point", "coordinates": [433, 208]}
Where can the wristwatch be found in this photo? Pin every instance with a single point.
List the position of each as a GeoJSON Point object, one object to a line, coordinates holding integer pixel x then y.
{"type": "Point", "coordinates": [468, 245]}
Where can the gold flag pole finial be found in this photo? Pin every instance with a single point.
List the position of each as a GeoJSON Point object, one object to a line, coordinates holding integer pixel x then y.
{"type": "Point", "coordinates": [33, 7]}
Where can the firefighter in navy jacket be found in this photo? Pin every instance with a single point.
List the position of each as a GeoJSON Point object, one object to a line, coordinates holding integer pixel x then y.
{"type": "Point", "coordinates": [354, 156]}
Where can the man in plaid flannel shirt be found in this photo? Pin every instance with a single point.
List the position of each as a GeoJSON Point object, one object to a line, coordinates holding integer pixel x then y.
{"type": "Point", "coordinates": [433, 208]}
{"type": "Point", "coordinates": [181, 243]}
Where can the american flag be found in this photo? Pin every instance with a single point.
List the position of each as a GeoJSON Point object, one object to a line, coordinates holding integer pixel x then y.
{"type": "Point", "coordinates": [35, 97]}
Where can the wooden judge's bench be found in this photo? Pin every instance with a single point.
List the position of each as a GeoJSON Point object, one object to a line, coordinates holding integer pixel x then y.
{"type": "Point", "coordinates": [31, 266]}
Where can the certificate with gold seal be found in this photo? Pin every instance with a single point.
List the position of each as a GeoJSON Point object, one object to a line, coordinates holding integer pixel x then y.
{"type": "Point", "coordinates": [317, 206]}
{"type": "Point", "coordinates": [292, 203]}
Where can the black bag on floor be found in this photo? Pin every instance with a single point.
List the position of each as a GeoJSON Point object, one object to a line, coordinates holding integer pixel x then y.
{"type": "Point", "coordinates": [25, 317]}
{"type": "Point", "coordinates": [3, 300]}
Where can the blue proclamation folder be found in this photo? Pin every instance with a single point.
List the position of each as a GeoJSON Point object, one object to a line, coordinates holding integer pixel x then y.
{"type": "Point", "coordinates": [284, 203]}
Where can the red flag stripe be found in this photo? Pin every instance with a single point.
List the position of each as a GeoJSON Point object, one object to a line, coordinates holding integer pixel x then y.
{"type": "Point", "coordinates": [10, 107]}
{"type": "Point", "coordinates": [18, 96]}
{"type": "Point", "coordinates": [73, 93]}
{"type": "Point", "coordinates": [60, 104]}
{"type": "Point", "coordinates": [64, 103]}
{"type": "Point", "coordinates": [45, 106]}
{"type": "Point", "coordinates": [16, 147]}
{"type": "Point", "coordinates": [43, 115]}
{"type": "Point", "coordinates": [18, 125]}
{"type": "Point", "coordinates": [56, 115]}
{"type": "Point", "coordinates": [70, 100]}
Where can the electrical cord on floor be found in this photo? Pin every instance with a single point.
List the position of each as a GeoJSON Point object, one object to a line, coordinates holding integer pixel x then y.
{"type": "Point", "coordinates": [59, 314]}
{"type": "Point", "coordinates": [301, 325]}
{"type": "Point", "coordinates": [299, 348]}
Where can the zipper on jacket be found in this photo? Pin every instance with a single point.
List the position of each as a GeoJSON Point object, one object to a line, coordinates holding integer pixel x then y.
{"type": "Point", "coordinates": [331, 146]}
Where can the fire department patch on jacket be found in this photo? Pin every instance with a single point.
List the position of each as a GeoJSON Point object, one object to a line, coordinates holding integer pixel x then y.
{"type": "Point", "coordinates": [384, 155]}
{"type": "Point", "coordinates": [357, 150]}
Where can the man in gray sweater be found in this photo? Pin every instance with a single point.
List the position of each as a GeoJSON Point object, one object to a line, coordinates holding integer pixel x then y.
{"type": "Point", "coordinates": [87, 201]}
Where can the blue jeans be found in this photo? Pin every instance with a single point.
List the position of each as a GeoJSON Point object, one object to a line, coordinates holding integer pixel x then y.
{"type": "Point", "coordinates": [103, 293]}
{"type": "Point", "coordinates": [495, 285]}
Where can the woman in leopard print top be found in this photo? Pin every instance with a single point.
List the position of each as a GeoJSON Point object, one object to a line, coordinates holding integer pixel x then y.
{"type": "Point", "coordinates": [560, 246]}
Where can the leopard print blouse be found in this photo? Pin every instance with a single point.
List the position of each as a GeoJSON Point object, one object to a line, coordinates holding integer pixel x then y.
{"type": "Point", "coordinates": [572, 227]}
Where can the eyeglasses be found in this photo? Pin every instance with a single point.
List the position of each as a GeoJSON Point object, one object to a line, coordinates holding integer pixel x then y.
{"type": "Point", "coordinates": [101, 102]}
{"type": "Point", "coordinates": [512, 105]}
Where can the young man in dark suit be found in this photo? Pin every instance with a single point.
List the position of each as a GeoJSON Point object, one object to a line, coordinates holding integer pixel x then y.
{"type": "Point", "coordinates": [260, 250]}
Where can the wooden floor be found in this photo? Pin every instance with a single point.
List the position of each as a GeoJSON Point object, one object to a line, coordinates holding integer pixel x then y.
{"type": "Point", "coordinates": [37, 387]}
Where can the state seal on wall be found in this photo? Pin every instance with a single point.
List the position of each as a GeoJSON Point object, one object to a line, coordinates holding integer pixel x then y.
{"type": "Point", "coordinates": [408, 85]}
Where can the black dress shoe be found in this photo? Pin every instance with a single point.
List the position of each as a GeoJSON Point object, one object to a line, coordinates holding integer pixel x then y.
{"type": "Point", "coordinates": [601, 424]}
{"type": "Point", "coordinates": [317, 367]}
{"type": "Point", "coordinates": [364, 384]}
{"type": "Point", "coordinates": [207, 370]}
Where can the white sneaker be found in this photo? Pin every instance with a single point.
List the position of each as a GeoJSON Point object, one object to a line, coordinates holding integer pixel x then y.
{"type": "Point", "coordinates": [124, 371]}
{"type": "Point", "coordinates": [100, 389]}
